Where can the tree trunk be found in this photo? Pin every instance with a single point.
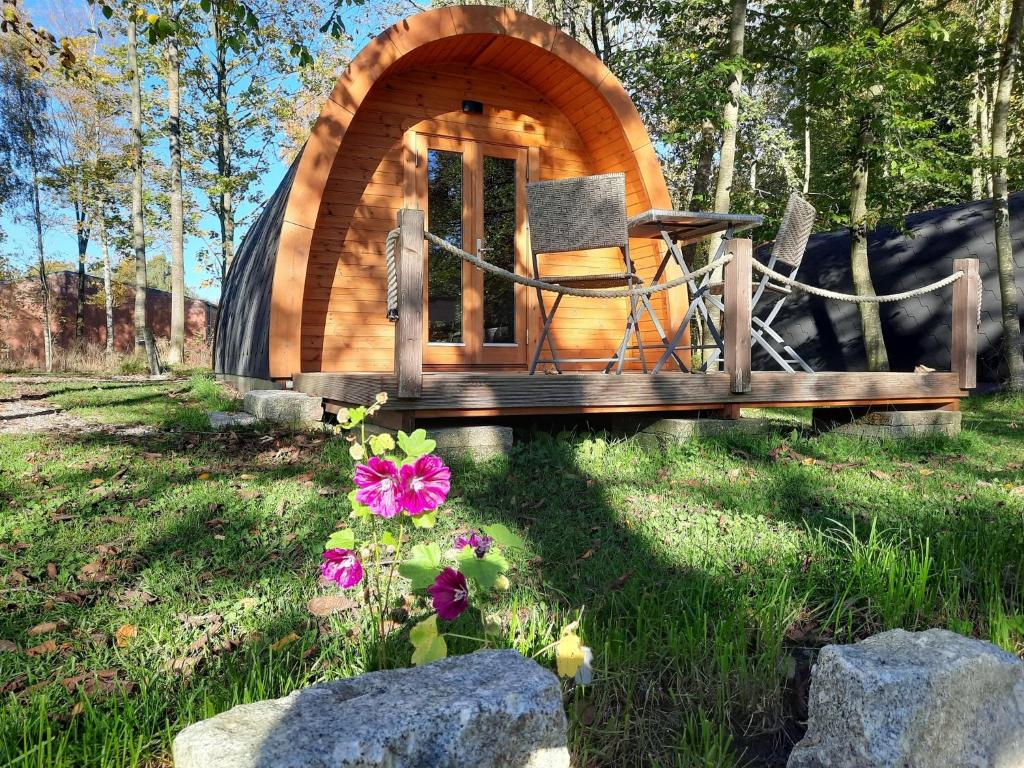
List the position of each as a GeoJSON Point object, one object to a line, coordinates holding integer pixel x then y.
{"type": "Point", "coordinates": [730, 129]}
{"type": "Point", "coordinates": [870, 317]}
{"type": "Point", "coordinates": [82, 236]}
{"type": "Point", "coordinates": [138, 225]}
{"type": "Point", "coordinates": [177, 351]}
{"type": "Point", "coordinates": [44, 285]}
{"type": "Point", "coordinates": [225, 208]}
{"type": "Point", "coordinates": [806, 186]}
{"type": "Point", "coordinates": [981, 181]}
{"type": "Point", "coordinates": [108, 288]}
{"type": "Point", "coordinates": [1013, 352]}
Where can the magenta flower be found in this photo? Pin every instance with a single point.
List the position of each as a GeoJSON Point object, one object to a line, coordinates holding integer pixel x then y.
{"type": "Point", "coordinates": [425, 484]}
{"type": "Point", "coordinates": [380, 486]}
{"type": "Point", "coordinates": [480, 543]}
{"type": "Point", "coordinates": [450, 594]}
{"type": "Point", "coordinates": [342, 567]}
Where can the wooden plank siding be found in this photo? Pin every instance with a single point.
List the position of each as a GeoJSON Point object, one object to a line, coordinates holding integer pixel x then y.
{"type": "Point", "coordinates": [540, 93]}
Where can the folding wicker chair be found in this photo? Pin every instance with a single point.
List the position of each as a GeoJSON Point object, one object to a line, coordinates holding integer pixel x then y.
{"type": "Point", "coordinates": [584, 214]}
{"type": "Point", "coordinates": [788, 251]}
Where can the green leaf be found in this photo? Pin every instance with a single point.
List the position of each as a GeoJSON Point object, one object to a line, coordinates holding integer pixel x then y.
{"type": "Point", "coordinates": [343, 539]}
{"type": "Point", "coordinates": [484, 571]}
{"type": "Point", "coordinates": [355, 417]}
{"type": "Point", "coordinates": [426, 520]}
{"type": "Point", "coordinates": [359, 510]}
{"type": "Point", "coordinates": [381, 444]}
{"type": "Point", "coordinates": [429, 645]}
{"type": "Point", "coordinates": [388, 540]}
{"type": "Point", "coordinates": [503, 537]}
{"type": "Point", "coordinates": [417, 444]}
{"type": "Point", "coordinates": [108, 11]}
{"type": "Point", "coordinates": [423, 565]}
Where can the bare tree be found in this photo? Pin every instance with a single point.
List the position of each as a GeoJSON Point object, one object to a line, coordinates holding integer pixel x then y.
{"type": "Point", "coordinates": [177, 351]}
{"type": "Point", "coordinates": [142, 335]}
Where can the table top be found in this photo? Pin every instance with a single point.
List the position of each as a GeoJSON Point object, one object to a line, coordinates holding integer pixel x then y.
{"type": "Point", "coordinates": [689, 225]}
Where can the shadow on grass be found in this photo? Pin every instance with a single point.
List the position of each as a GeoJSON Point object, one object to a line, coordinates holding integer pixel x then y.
{"type": "Point", "coordinates": [703, 592]}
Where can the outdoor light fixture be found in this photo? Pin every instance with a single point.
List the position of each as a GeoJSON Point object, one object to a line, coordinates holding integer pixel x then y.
{"type": "Point", "coordinates": [472, 107]}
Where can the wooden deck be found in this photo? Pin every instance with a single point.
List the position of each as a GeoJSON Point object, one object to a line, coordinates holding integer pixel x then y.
{"type": "Point", "coordinates": [508, 394]}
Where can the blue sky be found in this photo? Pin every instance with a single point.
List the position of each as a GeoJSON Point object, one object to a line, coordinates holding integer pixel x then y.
{"type": "Point", "coordinates": [59, 241]}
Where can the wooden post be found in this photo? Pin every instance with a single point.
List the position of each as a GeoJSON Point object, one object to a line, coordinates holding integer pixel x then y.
{"type": "Point", "coordinates": [409, 328]}
{"type": "Point", "coordinates": [737, 276]}
{"type": "Point", "coordinates": [963, 352]}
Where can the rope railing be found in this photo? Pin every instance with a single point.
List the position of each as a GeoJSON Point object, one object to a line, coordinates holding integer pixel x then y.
{"type": "Point", "coordinates": [606, 293]}
{"type": "Point", "coordinates": [854, 298]}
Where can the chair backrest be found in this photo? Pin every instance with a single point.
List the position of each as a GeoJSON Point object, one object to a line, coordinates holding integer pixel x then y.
{"type": "Point", "coordinates": [577, 214]}
{"type": "Point", "coordinates": [794, 231]}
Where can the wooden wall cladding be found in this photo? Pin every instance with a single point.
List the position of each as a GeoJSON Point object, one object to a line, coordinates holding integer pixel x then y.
{"type": "Point", "coordinates": [540, 90]}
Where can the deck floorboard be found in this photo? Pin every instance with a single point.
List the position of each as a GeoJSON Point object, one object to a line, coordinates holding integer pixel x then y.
{"type": "Point", "coordinates": [469, 394]}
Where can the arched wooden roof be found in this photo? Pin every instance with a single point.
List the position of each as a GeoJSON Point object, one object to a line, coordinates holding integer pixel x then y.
{"type": "Point", "coordinates": [544, 58]}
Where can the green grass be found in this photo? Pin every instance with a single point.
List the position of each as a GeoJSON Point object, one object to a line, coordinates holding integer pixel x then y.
{"type": "Point", "coordinates": [707, 574]}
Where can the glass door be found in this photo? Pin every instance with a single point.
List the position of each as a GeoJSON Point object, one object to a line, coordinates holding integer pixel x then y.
{"type": "Point", "coordinates": [474, 197]}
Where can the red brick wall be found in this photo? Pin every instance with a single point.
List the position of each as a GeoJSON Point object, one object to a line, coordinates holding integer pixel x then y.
{"type": "Point", "coordinates": [21, 332]}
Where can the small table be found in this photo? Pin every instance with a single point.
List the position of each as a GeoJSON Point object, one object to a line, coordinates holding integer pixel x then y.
{"type": "Point", "coordinates": [678, 229]}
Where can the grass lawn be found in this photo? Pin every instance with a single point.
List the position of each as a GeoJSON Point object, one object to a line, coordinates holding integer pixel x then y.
{"type": "Point", "coordinates": [151, 580]}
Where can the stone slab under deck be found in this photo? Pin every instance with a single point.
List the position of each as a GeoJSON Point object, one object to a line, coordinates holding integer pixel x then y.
{"type": "Point", "coordinates": [889, 424]}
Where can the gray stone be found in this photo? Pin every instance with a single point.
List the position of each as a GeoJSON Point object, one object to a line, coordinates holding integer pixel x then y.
{"type": "Point", "coordinates": [284, 407]}
{"type": "Point", "coordinates": [889, 424]}
{"type": "Point", "coordinates": [480, 442]}
{"type": "Point", "coordinates": [662, 432]}
{"type": "Point", "coordinates": [924, 699]}
{"type": "Point", "coordinates": [227, 419]}
{"type": "Point", "coordinates": [490, 709]}
{"type": "Point", "coordinates": [244, 384]}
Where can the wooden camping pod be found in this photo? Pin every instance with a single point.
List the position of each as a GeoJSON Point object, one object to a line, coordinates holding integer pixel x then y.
{"type": "Point", "coordinates": [546, 101]}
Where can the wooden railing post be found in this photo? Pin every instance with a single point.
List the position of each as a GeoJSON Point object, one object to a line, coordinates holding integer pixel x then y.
{"type": "Point", "coordinates": [963, 353]}
{"type": "Point", "coordinates": [409, 328]}
{"type": "Point", "coordinates": [737, 276]}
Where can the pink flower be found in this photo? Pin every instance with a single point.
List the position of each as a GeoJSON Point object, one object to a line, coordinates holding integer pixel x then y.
{"type": "Point", "coordinates": [480, 542]}
{"type": "Point", "coordinates": [425, 484]}
{"type": "Point", "coordinates": [450, 594]}
{"type": "Point", "coordinates": [380, 486]}
{"type": "Point", "coordinates": [342, 567]}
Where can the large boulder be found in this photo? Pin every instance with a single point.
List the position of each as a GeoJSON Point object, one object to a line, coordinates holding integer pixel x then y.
{"type": "Point", "coordinates": [486, 709]}
{"type": "Point", "coordinates": [917, 699]}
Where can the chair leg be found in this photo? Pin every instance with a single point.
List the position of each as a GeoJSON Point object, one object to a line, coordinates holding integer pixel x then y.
{"type": "Point", "coordinates": [545, 334]}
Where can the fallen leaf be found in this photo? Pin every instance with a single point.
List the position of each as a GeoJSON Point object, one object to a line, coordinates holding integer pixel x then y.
{"type": "Point", "coordinates": [51, 570]}
{"type": "Point", "coordinates": [6, 646]}
{"type": "Point", "coordinates": [288, 639]}
{"type": "Point", "coordinates": [327, 605]}
{"type": "Point", "coordinates": [620, 582]}
{"type": "Point", "coordinates": [879, 474]}
{"type": "Point", "coordinates": [43, 628]}
{"type": "Point", "coordinates": [125, 634]}
{"type": "Point", "coordinates": [78, 709]}
{"type": "Point", "coordinates": [50, 646]}
{"type": "Point", "coordinates": [94, 571]}
{"type": "Point", "coordinates": [203, 476]}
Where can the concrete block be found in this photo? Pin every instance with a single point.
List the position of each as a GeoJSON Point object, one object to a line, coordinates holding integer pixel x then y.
{"type": "Point", "coordinates": [479, 441]}
{"type": "Point", "coordinates": [888, 424]}
{"type": "Point", "coordinates": [663, 432]}
{"type": "Point", "coordinates": [227, 419]}
{"type": "Point", "coordinates": [283, 407]}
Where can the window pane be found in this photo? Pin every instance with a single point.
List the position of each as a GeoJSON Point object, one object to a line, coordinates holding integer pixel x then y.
{"type": "Point", "coordinates": [500, 239]}
{"type": "Point", "coordinates": [444, 271]}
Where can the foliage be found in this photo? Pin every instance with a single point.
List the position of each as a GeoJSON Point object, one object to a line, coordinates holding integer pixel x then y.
{"type": "Point", "coordinates": [402, 480]}
{"type": "Point", "coordinates": [710, 572]}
